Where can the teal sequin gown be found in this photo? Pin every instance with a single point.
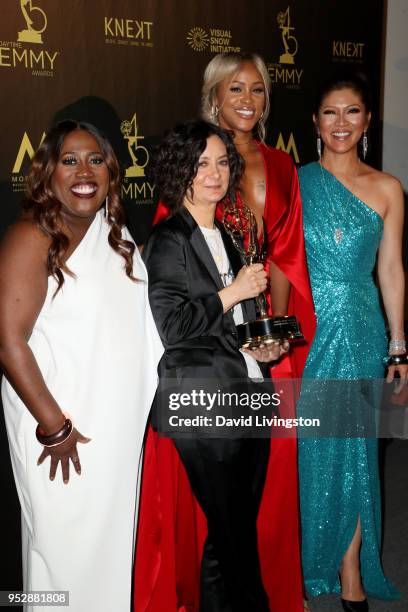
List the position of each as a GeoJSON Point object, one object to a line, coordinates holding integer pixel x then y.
{"type": "Point", "coordinates": [339, 478]}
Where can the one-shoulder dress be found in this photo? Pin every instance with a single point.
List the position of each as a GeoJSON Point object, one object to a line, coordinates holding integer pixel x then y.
{"type": "Point", "coordinates": [97, 348]}
{"type": "Point", "coordinates": [339, 478]}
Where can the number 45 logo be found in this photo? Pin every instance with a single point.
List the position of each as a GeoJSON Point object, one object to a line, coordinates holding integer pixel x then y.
{"type": "Point", "coordinates": [36, 22]}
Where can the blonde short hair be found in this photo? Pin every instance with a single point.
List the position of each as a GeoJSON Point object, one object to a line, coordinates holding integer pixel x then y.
{"type": "Point", "coordinates": [222, 66]}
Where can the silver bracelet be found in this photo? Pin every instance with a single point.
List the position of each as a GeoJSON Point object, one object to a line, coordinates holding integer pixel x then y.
{"type": "Point", "coordinates": [397, 345]}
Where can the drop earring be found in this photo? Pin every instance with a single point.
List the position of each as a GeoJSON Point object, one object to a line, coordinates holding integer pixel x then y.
{"type": "Point", "coordinates": [106, 208]}
{"type": "Point", "coordinates": [365, 144]}
{"type": "Point", "coordinates": [319, 145]}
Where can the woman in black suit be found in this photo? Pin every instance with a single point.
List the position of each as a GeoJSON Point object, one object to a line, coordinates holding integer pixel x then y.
{"type": "Point", "coordinates": [199, 292]}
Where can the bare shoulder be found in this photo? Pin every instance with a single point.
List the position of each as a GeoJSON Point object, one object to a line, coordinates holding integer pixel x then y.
{"type": "Point", "coordinates": [384, 181]}
{"type": "Point", "coordinates": [23, 275]}
{"type": "Point", "coordinates": [24, 240]}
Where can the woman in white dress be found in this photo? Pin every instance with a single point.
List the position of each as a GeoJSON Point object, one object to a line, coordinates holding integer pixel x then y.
{"type": "Point", "coordinates": [79, 349]}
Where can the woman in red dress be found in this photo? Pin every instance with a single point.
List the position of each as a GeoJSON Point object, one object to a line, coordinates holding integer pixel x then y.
{"type": "Point", "coordinates": [235, 95]}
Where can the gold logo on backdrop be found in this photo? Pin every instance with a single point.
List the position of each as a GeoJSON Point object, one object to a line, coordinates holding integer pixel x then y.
{"type": "Point", "coordinates": [348, 50]}
{"type": "Point", "coordinates": [216, 40]}
{"type": "Point", "coordinates": [138, 153]}
{"type": "Point", "coordinates": [15, 54]}
{"type": "Point", "coordinates": [290, 147]}
{"type": "Point", "coordinates": [128, 32]}
{"type": "Point", "coordinates": [197, 38]}
{"type": "Point", "coordinates": [134, 186]}
{"type": "Point", "coordinates": [290, 43]}
{"type": "Point", "coordinates": [26, 150]}
{"type": "Point", "coordinates": [285, 72]}
{"type": "Point", "coordinates": [36, 21]}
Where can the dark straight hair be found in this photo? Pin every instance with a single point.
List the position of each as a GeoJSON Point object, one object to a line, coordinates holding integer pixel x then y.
{"type": "Point", "coordinates": [344, 79]}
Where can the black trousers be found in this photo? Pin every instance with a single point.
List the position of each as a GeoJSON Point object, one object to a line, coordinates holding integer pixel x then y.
{"type": "Point", "coordinates": [227, 477]}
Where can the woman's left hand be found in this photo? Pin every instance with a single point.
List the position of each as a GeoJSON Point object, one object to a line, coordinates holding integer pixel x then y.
{"type": "Point", "coordinates": [403, 376]}
{"type": "Point", "coordinates": [268, 352]}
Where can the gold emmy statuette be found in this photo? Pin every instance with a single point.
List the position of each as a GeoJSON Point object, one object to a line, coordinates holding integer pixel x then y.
{"type": "Point", "coordinates": [284, 25]}
{"type": "Point", "coordinates": [32, 34]}
{"type": "Point", "coordinates": [240, 223]}
{"type": "Point", "coordinates": [138, 153]}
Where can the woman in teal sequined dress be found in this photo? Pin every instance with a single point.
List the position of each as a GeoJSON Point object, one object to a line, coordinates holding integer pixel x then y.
{"type": "Point", "coordinates": [351, 213]}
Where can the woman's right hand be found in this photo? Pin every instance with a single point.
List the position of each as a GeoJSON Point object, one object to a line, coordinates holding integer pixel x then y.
{"type": "Point", "coordinates": [64, 453]}
{"type": "Point", "coordinates": [250, 281]}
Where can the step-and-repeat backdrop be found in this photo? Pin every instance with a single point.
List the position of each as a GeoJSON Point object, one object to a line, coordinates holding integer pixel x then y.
{"type": "Point", "coordinates": [134, 68]}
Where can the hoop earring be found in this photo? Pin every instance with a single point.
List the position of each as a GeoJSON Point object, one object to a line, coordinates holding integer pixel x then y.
{"type": "Point", "coordinates": [365, 144]}
{"type": "Point", "coordinates": [319, 145]}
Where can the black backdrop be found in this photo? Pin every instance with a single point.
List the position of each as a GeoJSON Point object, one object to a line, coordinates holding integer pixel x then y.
{"type": "Point", "coordinates": [134, 68]}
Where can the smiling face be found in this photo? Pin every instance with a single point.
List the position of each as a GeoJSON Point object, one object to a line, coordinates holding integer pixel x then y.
{"type": "Point", "coordinates": [211, 182]}
{"type": "Point", "coordinates": [341, 120]}
{"type": "Point", "coordinates": [81, 178]}
{"type": "Point", "coordinates": [241, 99]}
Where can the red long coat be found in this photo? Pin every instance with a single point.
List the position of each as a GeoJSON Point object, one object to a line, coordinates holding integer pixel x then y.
{"type": "Point", "coordinates": [172, 527]}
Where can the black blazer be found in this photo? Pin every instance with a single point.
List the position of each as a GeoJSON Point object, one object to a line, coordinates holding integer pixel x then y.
{"type": "Point", "coordinates": [200, 341]}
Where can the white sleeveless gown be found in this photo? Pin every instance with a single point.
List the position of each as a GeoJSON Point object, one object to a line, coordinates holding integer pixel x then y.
{"type": "Point", "coordinates": [97, 347]}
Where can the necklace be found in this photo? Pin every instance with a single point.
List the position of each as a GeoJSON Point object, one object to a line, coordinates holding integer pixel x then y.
{"type": "Point", "coordinates": [338, 233]}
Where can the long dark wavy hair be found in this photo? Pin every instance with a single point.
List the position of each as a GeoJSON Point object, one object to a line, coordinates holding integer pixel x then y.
{"type": "Point", "coordinates": [45, 209]}
{"type": "Point", "coordinates": [175, 161]}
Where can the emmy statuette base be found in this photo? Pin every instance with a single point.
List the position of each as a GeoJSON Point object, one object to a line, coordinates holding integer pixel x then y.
{"type": "Point", "coordinates": [268, 330]}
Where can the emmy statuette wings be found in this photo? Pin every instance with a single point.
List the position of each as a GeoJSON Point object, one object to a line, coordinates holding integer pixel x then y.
{"type": "Point", "coordinates": [240, 223]}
